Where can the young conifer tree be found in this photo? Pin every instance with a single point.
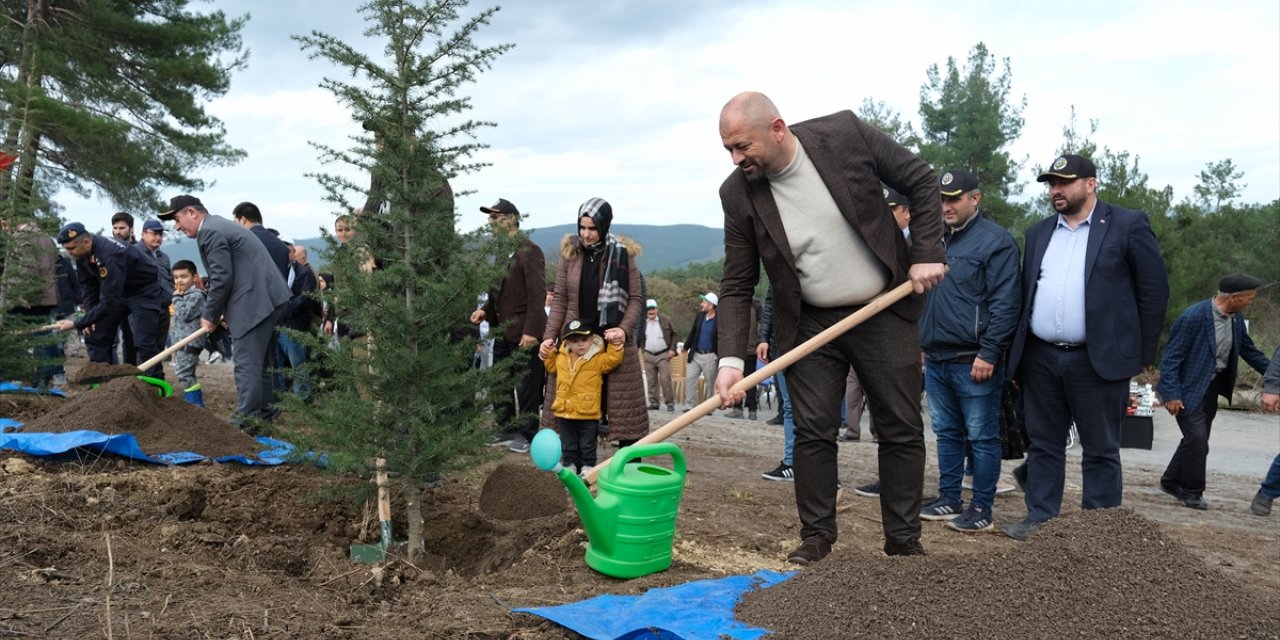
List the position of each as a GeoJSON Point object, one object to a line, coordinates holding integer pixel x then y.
{"type": "Point", "coordinates": [403, 387]}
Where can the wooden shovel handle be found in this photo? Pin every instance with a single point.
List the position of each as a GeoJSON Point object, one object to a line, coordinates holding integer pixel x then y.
{"type": "Point", "coordinates": [384, 493]}
{"type": "Point", "coordinates": [159, 357]}
{"type": "Point", "coordinates": [880, 303]}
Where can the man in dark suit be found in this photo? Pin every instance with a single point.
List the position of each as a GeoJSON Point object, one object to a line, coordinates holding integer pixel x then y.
{"type": "Point", "coordinates": [247, 215]}
{"type": "Point", "coordinates": [1200, 363]}
{"type": "Point", "coordinates": [806, 201]}
{"type": "Point", "coordinates": [1094, 292]}
{"type": "Point", "coordinates": [516, 309]}
{"type": "Point", "coordinates": [246, 289]}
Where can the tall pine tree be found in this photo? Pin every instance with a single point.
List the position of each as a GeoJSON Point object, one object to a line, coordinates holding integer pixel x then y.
{"type": "Point", "coordinates": [968, 119]}
{"type": "Point", "coordinates": [403, 388]}
{"type": "Point", "coordinates": [108, 95]}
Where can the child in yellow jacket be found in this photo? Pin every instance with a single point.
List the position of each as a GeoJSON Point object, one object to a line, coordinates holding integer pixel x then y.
{"type": "Point", "coordinates": [580, 364]}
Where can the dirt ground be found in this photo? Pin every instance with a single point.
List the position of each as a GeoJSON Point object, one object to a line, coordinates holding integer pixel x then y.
{"type": "Point", "coordinates": [100, 547]}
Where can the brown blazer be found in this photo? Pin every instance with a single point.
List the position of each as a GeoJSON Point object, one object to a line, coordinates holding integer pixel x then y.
{"type": "Point", "coordinates": [518, 306]}
{"type": "Point", "coordinates": [853, 158]}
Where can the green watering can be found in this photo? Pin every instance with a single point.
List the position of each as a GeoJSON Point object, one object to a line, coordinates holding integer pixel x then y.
{"type": "Point", "coordinates": [631, 523]}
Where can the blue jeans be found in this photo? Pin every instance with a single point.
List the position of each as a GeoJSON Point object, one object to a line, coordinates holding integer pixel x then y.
{"type": "Point", "coordinates": [1271, 486]}
{"type": "Point", "coordinates": [292, 354]}
{"type": "Point", "coordinates": [962, 409]}
{"type": "Point", "coordinates": [788, 422]}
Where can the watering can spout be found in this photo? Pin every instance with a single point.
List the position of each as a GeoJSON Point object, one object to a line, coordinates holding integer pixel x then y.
{"type": "Point", "coordinates": [595, 516]}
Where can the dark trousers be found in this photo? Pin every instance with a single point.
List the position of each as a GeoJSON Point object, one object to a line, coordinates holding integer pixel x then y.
{"type": "Point", "coordinates": [578, 442]}
{"type": "Point", "coordinates": [128, 350]}
{"type": "Point", "coordinates": [144, 320]}
{"type": "Point", "coordinates": [1059, 387]}
{"type": "Point", "coordinates": [752, 400]}
{"type": "Point", "coordinates": [885, 351]}
{"type": "Point", "coordinates": [530, 377]}
{"type": "Point", "coordinates": [254, 359]}
{"type": "Point", "coordinates": [1185, 473]}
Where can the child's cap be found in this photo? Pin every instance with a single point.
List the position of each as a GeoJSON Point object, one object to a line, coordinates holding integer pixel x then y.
{"type": "Point", "coordinates": [577, 328]}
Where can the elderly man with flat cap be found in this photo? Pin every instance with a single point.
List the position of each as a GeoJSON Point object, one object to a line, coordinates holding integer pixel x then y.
{"type": "Point", "coordinates": [1199, 364]}
{"type": "Point", "coordinates": [245, 287]}
{"type": "Point", "coordinates": [516, 307]}
{"type": "Point", "coordinates": [1094, 293]}
{"type": "Point", "coordinates": [119, 284]}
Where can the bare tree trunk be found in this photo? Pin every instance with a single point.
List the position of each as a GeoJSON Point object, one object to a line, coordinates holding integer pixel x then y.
{"type": "Point", "coordinates": [413, 514]}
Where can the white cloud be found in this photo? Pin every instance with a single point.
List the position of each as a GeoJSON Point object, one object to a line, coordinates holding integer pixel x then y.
{"type": "Point", "coordinates": [621, 100]}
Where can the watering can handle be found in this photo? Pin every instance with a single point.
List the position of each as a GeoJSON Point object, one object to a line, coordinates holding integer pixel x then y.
{"type": "Point", "coordinates": [627, 454]}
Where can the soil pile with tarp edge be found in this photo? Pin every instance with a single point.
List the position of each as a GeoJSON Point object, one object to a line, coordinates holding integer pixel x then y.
{"type": "Point", "coordinates": [161, 425]}
{"type": "Point", "coordinates": [25, 407]}
{"type": "Point", "coordinates": [1104, 573]}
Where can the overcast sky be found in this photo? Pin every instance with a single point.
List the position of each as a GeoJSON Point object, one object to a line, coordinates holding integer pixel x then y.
{"type": "Point", "coordinates": [620, 99]}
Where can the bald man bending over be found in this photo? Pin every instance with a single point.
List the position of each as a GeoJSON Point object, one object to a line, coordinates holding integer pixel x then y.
{"type": "Point", "coordinates": [806, 200]}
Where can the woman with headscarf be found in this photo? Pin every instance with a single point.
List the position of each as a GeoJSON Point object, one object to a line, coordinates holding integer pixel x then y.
{"type": "Point", "coordinates": [597, 280]}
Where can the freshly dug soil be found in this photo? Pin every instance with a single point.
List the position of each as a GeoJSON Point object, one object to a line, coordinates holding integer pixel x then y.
{"type": "Point", "coordinates": [99, 547]}
{"type": "Point", "coordinates": [93, 372]}
{"type": "Point", "coordinates": [161, 425]}
{"type": "Point", "coordinates": [1106, 573]}
{"type": "Point", "coordinates": [518, 491]}
{"type": "Point", "coordinates": [25, 407]}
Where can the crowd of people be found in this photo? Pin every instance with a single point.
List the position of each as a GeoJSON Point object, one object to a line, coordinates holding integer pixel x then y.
{"type": "Point", "coordinates": [134, 302]}
{"type": "Point", "coordinates": [836, 213]}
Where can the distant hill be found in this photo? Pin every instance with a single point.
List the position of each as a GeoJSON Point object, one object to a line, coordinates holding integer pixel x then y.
{"type": "Point", "coordinates": [186, 249]}
{"type": "Point", "coordinates": [665, 247]}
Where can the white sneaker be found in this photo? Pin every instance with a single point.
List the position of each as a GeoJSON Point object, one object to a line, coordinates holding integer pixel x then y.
{"type": "Point", "coordinates": [1003, 486]}
{"type": "Point", "coordinates": [967, 483]}
{"type": "Point", "coordinates": [584, 470]}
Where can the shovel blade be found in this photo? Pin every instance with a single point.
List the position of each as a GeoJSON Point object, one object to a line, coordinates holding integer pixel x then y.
{"type": "Point", "coordinates": [368, 553]}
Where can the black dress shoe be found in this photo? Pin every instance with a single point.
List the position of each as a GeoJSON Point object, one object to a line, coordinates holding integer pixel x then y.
{"type": "Point", "coordinates": [1195, 502]}
{"type": "Point", "coordinates": [776, 420]}
{"type": "Point", "coordinates": [1176, 492]}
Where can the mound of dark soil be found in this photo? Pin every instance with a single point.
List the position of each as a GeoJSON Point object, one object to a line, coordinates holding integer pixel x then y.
{"type": "Point", "coordinates": [516, 491]}
{"type": "Point", "coordinates": [1106, 573]}
{"type": "Point", "coordinates": [25, 407]}
{"type": "Point", "coordinates": [99, 371]}
{"type": "Point", "coordinates": [161, 425]}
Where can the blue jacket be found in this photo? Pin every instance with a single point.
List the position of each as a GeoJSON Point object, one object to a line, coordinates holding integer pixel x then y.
{"type": "Point", "coordinates": [1187, 368]}
{"type": "Point", "coordinates": [974, 312]}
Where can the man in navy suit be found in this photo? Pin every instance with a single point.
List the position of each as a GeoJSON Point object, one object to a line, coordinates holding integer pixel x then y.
{"type": "Point", "coordinates": [1094, 293]}
{"type": "Point", "coordinates": [1199, 364]}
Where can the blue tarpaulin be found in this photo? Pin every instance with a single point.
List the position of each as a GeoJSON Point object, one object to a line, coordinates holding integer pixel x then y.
{"type": "Point", "coordinates": [123, 444]}
{"type": "Point", "coordinates": [701, 610]}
